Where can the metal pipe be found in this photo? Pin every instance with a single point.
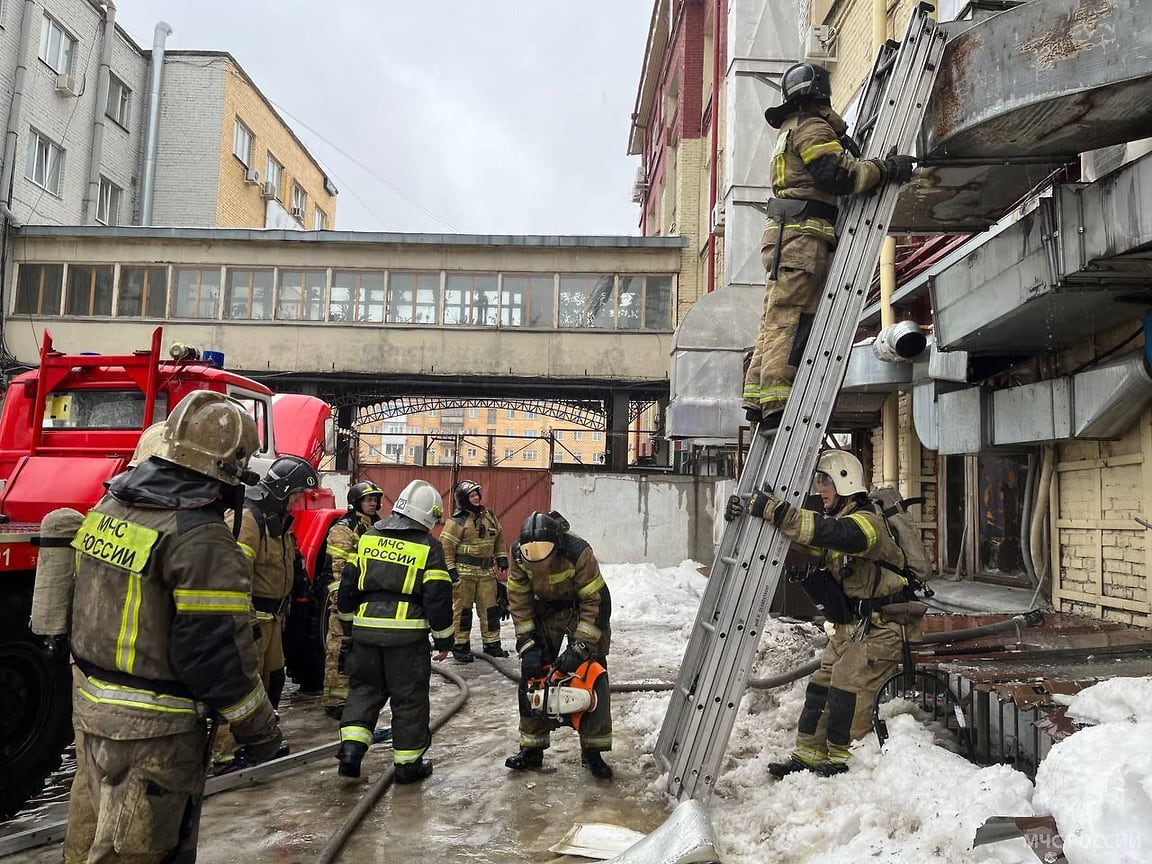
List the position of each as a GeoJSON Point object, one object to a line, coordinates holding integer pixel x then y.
{"type": "Point", "coordinates": [890, 419]}
{"type": "Point", "coordinates": [14, 111]}
{"type": "Point", "coordinates": [103, 85]}
{"type": "Point", "coordinates": [155, 84]}
{"type": "Point", "coordinates": [1040, 513]}
{"type": "Point", "coordinates": [1026, 518]}
{"type": "Point", "coordinates": [715, 147]}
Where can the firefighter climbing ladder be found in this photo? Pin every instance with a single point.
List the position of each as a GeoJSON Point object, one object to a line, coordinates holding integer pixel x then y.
{"type": "Point", "coordinates": [744, 575]}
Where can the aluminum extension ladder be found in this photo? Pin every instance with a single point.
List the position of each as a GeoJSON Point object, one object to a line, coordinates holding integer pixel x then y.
{"type": "Point", "coordinates": [716, 665]}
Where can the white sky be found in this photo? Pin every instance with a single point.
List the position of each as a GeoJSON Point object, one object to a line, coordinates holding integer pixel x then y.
{"type": "Point", "coordinates": [505, 117]}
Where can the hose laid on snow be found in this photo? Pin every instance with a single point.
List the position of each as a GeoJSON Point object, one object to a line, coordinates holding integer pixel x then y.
{"type": "Point", "coordinates": [380, 786]}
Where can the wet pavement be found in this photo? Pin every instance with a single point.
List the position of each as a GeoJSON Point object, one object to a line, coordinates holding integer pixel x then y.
{"type": "Point", "coordinates": [472, 809]}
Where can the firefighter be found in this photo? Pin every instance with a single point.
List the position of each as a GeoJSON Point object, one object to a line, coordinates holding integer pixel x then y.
{"type": "Point", "coordinates": [266, 540]}
{"type": "Point", "coordinates": [363, 504]}
{"type": "Point", "coordinates": [858, 571]}
{"type": "Point", "coordinates": [812, 164]}
{"type": "Point", "coordinates": [164, 640]}
{"type": "Point", "coordinates": [473, 544]}
{"type": "Point", "coordinates": [397, 589]}
{"type": "Point", "coordinates": [555, 590]}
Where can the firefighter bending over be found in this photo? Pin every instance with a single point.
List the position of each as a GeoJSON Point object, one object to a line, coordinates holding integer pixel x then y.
{"type": "Point", "coordinates": [555, 590]}
{"type": "Point", "coordinates": [363, 505]}
{"type": "Point", "coordinates": [858, 572]}
{"type": "Point", "coordinates": [396, 588]}
{"type": "Point", "coordinates": [811, 166]}
{"type": "Point", "coordinates": [165, 638]}
{"type": "Point", "coordinates": [473, 544]}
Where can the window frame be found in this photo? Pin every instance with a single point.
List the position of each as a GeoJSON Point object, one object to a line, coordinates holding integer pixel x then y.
{"type": "Point", "coordinates": [35, 139]}
{"type": "Point", "coordinates": [120, 118]}
{"type": "Point", "coordinates": [239, 127]}
{"type": "Point", "coordinates": [46, 25]}
{"type": "Point", "coordinates": [299, 194]}
{"type": "Point", "coordinates": [146, 289]}
{"type": "Point", "coordinates": [76, 270]}
{"type": "Point", "coordinates": [39, 309]}
{"type": "Point", "coordinates": [319, 219]}
{"type": "Point", "coordinates": [356, 300]}
{"type": "Point", "coordinates": [414, 306]}
{"type": "Point", "coordinates": [230, 297]}
{"type": "Point", "coordinates": [104, 198]}
{"type": "Point", "coordinates": [278, 173]}
{"type": "Point", "coordinates": [302, 303]}
{"type": "Point", "coordinates": [199, 271]}
{"type": "Point", "coordinates": [526, 307]}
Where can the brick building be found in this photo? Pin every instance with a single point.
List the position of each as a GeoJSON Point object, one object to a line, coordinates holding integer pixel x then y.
{"type": "Point", "coordinates": [77, 148]}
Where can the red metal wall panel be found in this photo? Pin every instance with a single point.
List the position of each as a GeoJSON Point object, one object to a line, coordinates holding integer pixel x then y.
{"type": "Point", "coordinates": [511, 493]}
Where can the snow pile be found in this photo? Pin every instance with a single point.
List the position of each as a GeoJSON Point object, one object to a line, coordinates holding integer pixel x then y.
{"type": "Point", "coordinates": [1097, 783]}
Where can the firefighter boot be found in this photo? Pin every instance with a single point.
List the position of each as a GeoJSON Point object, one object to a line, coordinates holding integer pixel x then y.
{"type": "Point", "coordinates": [350, 755]}
{"type": "Point", "coordinates": [413, 772]}
{"type": "Point", "coordinates": [528, 757]}
{"type": "Point", "coordinates": [494, 649]}
{"type": "Point", "coordinates": [794, 764]}
{"type": "Point", "coordinates": [594, 762]}
{"type": "Point", "coordinates": [462, 653]}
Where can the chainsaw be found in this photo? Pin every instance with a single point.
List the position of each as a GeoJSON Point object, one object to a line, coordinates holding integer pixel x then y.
{"type": "Point", "coordinates": [564, 698]}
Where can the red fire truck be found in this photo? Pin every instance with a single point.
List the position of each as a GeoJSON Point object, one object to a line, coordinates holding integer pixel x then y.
{"type": "Point", "coordinates": [65, 429]}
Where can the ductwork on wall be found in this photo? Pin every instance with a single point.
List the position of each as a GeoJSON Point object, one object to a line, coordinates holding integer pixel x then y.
{"type": "Point", "coordinates": [1099, 403]}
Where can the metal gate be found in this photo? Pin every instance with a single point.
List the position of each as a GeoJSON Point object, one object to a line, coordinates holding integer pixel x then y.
{"type": "Point", "coordinates": [511, 493]}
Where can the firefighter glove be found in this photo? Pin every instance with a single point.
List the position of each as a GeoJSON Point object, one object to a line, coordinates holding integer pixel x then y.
{"type": "Point", "coordinates": [453, 575]}
{"type": "Point", "coordinates": [255, 752]}
{"type": "Point", "coordinates": [734, 509]}
{"type": "Point", "coordinates": [575, 654]}
{"type": "Point", "coordinates": [531, 663]}
{"type": "Point", "coordinates": [502, 601]}
{"type": "Point", "coordinates": [502, 562]}
{"type": "Point", "coordinates": [897, 167]}
{"type": "Point", "coordinates": [342, 657]}
{"type": "Point", "coordinates": [766, 505]}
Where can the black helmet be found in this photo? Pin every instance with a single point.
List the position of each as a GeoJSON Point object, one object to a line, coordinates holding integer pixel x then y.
{"type": "Point", "coordinates": [800, 82]}
{"type": "Point", "coordinates": [362, 490]}
{"type": "Point", "coordinates": [460, 494]}
{"type": "Point", "coordinates": [289, 474]}
{"type": "Point", "coordinates": [540, 534]}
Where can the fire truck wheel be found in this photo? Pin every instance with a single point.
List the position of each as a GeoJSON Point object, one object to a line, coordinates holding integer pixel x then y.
{"type": "Point", "coordinates": [35, 708]}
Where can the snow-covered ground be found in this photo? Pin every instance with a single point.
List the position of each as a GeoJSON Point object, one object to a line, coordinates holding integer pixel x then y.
{"type": "Point", "coordinates": [916, 801]}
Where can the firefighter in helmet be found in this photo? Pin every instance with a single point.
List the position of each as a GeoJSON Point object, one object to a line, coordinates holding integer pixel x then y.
{"type": "Point", "coordinates": [165, 638]}
{"type": "Point", "coordinates": [556, 593]}
{"type": "Point", "coordinates": [267, 542]}
{"type": "Point", "coordinates": [363, 504]}
{"type": "Point", "coordinates": [858, 571]}
{"type": "Point", "coordinates": [813, 163]}
{"type": "Point", "coordinates": [473, 546]}
{"type": "Point", "coordinates": [396, 589]}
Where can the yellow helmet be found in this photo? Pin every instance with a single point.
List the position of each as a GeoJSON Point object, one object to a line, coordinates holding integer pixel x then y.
{"type": "Point", "coordinates": [148, 444]}
{"type": "Point", "coordinates": [845, 471]}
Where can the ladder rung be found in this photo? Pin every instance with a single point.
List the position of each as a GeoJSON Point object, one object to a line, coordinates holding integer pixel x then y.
{"type": "Point", "coordinates": [729, 559]}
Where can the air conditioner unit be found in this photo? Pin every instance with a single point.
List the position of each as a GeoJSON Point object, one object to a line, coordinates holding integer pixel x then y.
{"type": "Point", "coordinates": [252, 175]}
{"type": "Point", "coordinates": [66, 84]}
{"type": "Point", "coordinates": [297, 212]}
{"type": "Point", "coordinates": [821, 43]}
{"type": "Point", "coordinates": [268, 191]}
{"type": "Point", "coordinates": [718, 218]}
{"type": "Point", "coordinates": [639, 186]}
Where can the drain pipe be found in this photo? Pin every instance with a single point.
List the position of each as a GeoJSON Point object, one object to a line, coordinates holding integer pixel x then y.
{"type": "Point", "coordinates": [1026, 519]}
{"type": "Point", "coordinates": [890, 419]}
{"type": "Point", "coordinates": [14, 113]}
{"type": "Point", "coordinates": [103, 84]}
{"type": "Point", "coordinates": [1040, 562]}
{"type": "Point", "coordinates": [155, 83]}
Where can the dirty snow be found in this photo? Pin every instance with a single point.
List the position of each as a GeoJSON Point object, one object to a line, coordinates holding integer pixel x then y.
{"type": "Point", "coordinates": [916, 801]}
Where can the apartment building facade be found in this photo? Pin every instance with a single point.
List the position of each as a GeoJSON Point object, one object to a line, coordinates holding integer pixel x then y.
{"type": "Point", "coordinates": [77, 148]}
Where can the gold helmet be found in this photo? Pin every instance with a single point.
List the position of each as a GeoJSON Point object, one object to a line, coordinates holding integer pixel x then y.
{"type": "Point", "coordinates": [148, 444]}
{"type": "Point", "coordinates": [210, 434]}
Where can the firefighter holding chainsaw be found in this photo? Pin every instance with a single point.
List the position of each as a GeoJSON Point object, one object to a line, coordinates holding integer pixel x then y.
{"type": "Point", "coordinates": [556, 593]}
{"type": "Point", "coordinates": [813, 163]}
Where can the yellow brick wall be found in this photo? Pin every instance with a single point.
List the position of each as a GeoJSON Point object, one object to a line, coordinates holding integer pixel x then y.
{"type": "Point", "coordinates": [239, 204]}
{"type": "Point", "coordinates": [917, 473]}
{"type": "Point", "coordinates": [855, 52]}
{"type": "Point", "coordinates": [691, 200]}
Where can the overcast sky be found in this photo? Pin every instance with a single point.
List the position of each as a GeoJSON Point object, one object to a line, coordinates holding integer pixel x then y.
{"type": "Point", "coordinates": [496, 116]}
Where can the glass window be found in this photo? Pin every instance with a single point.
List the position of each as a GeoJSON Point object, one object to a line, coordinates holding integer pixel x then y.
{"type": "Point", "coordinates": [274, 175]}
{"type": "Point", "coordinates": [143, 292]}
{"type": "Point", "coordinates": [630, 303]}
{"type": "Point", "coordinates": [57, 48]}
{"type": "Point", "coordinates": [491, 416]}
{"type": "Point", "coordinates": [508, 453]}
{"type": "Point", "coordinates": [299, 202]}
{"type": "Point", "coordinates": [413, 298]}
{"type": "Point", "coordinates": [108, 203]}
{"type": "Point", "coordinates": [578, 435]}
{"type": "Point", "coordinates": [38, 289]}
{"type": "Point", "coordinates": [471, 298]}
{"type": "Point", "coordinates": [357, 296]}
{"type": "Point", "coordinates": [197, 292]}
{"type": "Point", "coordinates": [242, 143]}
{"type": "Point", "coordinates": [100, 409]}
{"type": "Point", "coordinates": [319, 220]}
{"type": "Point", "coordinates": [248, 294]}
{"type": "Point", "coordinates": [89, 290]}
{"type": "Point", "coordinates": [511, 415]}
{"type": "Point", "coordinates": [658, 303]}
{"type": "Point", "coordinates": [117, 105]}
{"type": "Point", "coordinates": [301, 295]}
{"type": "Point", "coordinates": [45, 162]}
{"type": "Point", "coordinates": [529, 455]}
{"type": "Point", "coordinates": [598, 435]}
{"type": "Point", "coordinates": [587, 301]}
{"type": "Point", "coordinates": [527, 301]}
